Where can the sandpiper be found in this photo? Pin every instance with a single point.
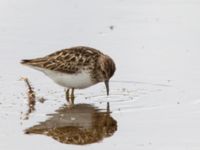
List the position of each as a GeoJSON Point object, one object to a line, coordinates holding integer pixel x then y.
{"type": "Point", "coordinates": [75, 68]}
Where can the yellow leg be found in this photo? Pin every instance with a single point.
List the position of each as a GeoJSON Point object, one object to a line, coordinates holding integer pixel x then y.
{"type": "Point", "coordinates": [72, 96]}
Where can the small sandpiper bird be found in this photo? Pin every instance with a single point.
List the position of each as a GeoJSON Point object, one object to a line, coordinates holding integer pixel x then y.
{"type": "Point", "coordinates": [75, 68]}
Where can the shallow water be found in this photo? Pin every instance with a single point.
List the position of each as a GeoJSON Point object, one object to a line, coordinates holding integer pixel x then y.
{"type": "Point", "coordinates": [154, 94]}
{"type": "Point", "coordinates": [25, 114]}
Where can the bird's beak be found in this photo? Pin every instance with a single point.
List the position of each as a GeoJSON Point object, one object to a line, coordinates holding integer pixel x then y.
{"type": "Point", "coordinates": [107, 86]}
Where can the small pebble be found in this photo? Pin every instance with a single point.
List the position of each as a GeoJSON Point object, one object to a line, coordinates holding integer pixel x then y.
{"type": "Point", "coordinates": [111, 27]}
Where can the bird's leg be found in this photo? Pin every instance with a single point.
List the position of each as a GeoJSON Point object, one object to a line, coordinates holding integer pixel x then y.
{"type": "Point", "coordinates": [67, 95]}
{"type": "Point", "coordinates": [72, 96]}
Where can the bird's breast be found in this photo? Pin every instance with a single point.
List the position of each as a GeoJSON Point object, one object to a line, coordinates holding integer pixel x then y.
{"type": "Point", "coordinates": [78, 81]}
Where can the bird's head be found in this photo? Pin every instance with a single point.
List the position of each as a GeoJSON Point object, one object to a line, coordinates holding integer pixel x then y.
{"type": "Point", "coordinates": [108, 68]}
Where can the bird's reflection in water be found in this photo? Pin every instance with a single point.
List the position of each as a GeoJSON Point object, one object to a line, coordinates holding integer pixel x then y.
{"type": "Point", "coordinates": [81, 124]}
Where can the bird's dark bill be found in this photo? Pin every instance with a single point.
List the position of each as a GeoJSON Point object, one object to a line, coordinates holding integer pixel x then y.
{"type": "Point", "coordinates": [107, 86]}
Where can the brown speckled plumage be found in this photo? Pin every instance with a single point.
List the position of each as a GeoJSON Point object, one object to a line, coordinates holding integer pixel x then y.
{"type": "Point", "coordinates": [66, 60]}
{"type": "Point", "coordinates": [75, 60]}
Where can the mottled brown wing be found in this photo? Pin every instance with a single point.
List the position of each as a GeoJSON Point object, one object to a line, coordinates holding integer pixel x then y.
{"type": "Point", "coordinates": [67, 60]}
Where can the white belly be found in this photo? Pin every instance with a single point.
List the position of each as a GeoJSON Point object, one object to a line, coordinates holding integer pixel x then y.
{"type": "Point", "coordinates": [78, 81]}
